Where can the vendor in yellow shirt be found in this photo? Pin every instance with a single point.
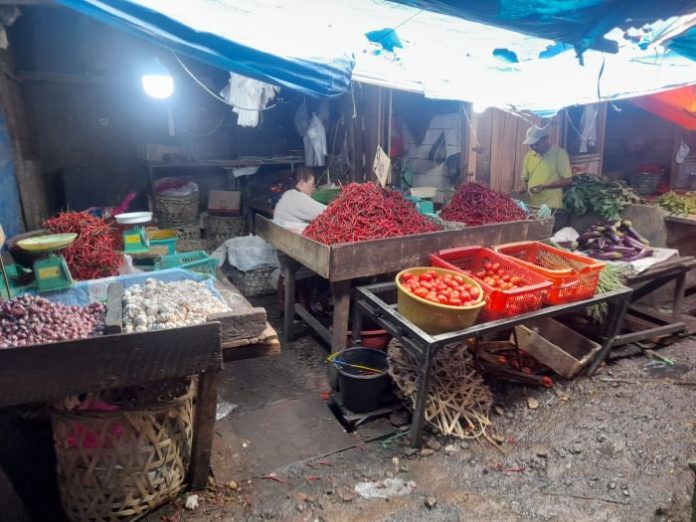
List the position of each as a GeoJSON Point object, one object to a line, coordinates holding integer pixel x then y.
{"type": "Point", "coordinates": [546, 169]}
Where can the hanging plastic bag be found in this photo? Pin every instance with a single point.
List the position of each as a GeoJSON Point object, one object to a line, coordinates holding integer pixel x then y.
{"type": "Point", "coordinates": [315, 143]}
{"type": "Point", "coordinates": [248, 98]}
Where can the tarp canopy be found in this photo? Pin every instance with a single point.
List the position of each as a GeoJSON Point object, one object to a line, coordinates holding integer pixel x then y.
{"type": "Point", "coordinates": [312, 46]}
{"type": "Point", "coordinates": [235, 36]}
{"type": "Point", "coordinates": [677, 106]}
{"type": "Point", "coordinates": [580, 23]}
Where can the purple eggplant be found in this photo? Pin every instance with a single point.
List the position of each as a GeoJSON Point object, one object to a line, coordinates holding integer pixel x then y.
{"type": "Point", "coordinates": [611, 234]}
{"type": "Point", "coordinates": [632, 242]}
{"type": "Point", "coordinates": [646, 252]}
{"type": "Point", "coordinates": [605, 256]}
{"type": "Point", "coordinates": [628, 228]}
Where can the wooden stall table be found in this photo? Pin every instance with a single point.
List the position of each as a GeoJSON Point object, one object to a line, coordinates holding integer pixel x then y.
{"type": "Point", "coordinates": [377, 302]}
{"type": "Point", "coordinates": [341, 264]}
{"type": "Point", "coordinates": [648, 322]}
{"type": "Point", "coordinates": [50, 372]}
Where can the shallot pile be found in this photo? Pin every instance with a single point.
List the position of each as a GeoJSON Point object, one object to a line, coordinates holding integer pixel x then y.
{"type": "Point", "coordinates": [30, 319]}
{"type": "Point", "coordinates": [94, 254]}
{"type": "Point", "coordinates": [364, 211]}
{"type": "Point", "coordinates": [157, 305]}
{"type": "Point", "coordinates": [477, 204]}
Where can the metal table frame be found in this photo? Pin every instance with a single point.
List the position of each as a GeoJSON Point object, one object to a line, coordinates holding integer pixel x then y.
{"type": "Point", "coordinates": [423, 346]}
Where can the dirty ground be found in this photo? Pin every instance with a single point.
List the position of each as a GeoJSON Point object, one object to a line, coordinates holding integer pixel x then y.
{"type": "Point", "coordinates": [615, 448]}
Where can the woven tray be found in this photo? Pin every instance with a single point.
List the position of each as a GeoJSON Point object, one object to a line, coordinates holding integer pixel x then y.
{"type": "Point", "coordinates": [119, 465]}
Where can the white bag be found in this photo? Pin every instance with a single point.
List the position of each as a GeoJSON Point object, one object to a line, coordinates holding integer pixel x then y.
{"type": "Point", "coordinates": [247, 253]}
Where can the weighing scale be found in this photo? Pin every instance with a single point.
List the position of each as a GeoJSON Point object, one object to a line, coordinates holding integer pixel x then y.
{"type": "Point", "coordinates": [50, 273]}
{"type": "Point", "coordinates": [135, 239]}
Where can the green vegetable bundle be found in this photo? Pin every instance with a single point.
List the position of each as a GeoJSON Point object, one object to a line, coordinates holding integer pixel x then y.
{"type": "Point", "coordinates": [605, 196]}
{"type": "Point", "coordinates": [678, 204]}
{"type": "Point", "coordinates": [612, 277]}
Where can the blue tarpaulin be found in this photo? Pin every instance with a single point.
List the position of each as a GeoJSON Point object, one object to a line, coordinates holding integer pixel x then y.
{"type": "Point", "coordinates": [581, 23]}
{"type": "Point", "coordinates": [232, 37]}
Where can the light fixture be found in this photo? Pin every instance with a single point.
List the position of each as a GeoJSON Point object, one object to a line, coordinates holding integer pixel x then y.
{"type": "Point", "coordinates": [157, 82]}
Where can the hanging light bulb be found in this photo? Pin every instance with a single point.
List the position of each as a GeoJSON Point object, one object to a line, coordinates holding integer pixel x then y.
{"type": "Point", "coordinates": [157, 82]}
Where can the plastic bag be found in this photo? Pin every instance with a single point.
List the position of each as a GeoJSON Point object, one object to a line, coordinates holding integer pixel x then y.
{"type": "Point", "coordinates": [247, 253]}
{"type": "Point", "coordinates": [176, 187]}
{"type": "Point", "coordinates": [315, 143]}
{"type": "Point", "coordinates": [249, 97]}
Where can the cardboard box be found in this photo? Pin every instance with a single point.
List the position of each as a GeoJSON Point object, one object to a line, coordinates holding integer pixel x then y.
{"type": "Point", "coordinates": [224, 203]}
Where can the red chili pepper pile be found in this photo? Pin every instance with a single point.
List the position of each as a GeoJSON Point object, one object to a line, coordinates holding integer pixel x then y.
{"type": "Point", "coordinates": [476, 204]}
{"type": "Point", "coordinates": [94, 253]}
{"type": "Point", "coordinates": [367, 211]}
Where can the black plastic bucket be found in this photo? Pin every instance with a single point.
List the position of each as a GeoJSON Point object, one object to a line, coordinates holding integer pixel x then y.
{"type": "Point", "coordinates": [362, 390]}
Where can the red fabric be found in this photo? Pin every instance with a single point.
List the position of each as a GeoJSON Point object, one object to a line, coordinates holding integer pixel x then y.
{"type": "Point", "coordinates": [677, 106]}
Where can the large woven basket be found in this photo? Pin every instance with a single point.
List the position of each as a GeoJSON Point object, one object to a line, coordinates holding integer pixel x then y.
{"type": "Point", "coordinates": [176, 211]}
{"type": "Point", "coordinates": [119, 465]}
{"type": "Point", "coordinates": [220, 229]}
{"type": "Point", "coordinates": [260, 281]}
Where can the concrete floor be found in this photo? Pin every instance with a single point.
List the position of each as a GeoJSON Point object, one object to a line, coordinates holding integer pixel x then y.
{"type": "Point", "coordinates": [593, 450]}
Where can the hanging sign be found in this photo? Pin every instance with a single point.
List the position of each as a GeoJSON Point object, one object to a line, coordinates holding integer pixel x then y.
{"type": "Point", "coordinates": [382, 166]}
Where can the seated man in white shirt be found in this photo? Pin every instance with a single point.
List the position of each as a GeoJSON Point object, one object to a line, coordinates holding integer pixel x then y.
{"type": "Point", "coordinates": [296, 208]}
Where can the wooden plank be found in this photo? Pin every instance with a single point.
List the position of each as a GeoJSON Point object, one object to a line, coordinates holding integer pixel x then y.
{"type": "Point", "coordinates": [340, 292]}
{"type": "Point", "coordinates": [383, 256]}
{"type": "Point", "coordinates": [203, 429]}
{"type": "Point", "coordinates": [51, 371]}
{"type": "Point", "coordinates": [311, 254]}
{"type": "Point", "coordinates": [509, 145]}
{"type": "Point", "coordinates": [321, 330]}
{"type": "Point", "coordinates": [239, 325]}
{"type": "Point", "coordinates": [498, 150]}
{"type": "Point", "coordinates": [113, 322]}
{"type": "Point", "coordinates": [650, 333]}
{"type": "Point", "coordinates": [268, 348]}
{"type": "Point", "coordinates": [483, 140]}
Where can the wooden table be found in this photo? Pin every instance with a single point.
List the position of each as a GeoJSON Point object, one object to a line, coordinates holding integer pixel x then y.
{"type": "Point", "coordinates": [378, 302]}
{"type": "Point", "coordinates": [653, 323]}
{"type": "Point", "coordinates": [49, 372]}
{"type": "Point", "coordinates": [342, 264]}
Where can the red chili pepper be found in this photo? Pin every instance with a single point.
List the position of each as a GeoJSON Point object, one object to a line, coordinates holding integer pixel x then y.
{"type": "Point", "coordinates": [477, 204]}
{"type": "Point", "coordinates": [366, 211]}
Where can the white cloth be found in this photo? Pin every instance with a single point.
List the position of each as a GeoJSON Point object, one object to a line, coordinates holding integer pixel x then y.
{"type": "Point", "coordinates": [249, 97]}
{"type": "Point", "coordinates": [296, 209]}
{"type": "Point", "coordinates": [315, 143]}
{"type": "Point", "coordinates": [588, 128]}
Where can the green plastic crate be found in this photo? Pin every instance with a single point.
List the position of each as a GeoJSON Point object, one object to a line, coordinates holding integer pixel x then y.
{"type": "Point", "coordinates": [197, 261]}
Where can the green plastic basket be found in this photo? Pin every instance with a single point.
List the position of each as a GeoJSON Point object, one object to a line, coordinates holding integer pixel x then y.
{"type": "Point", "coordinates": [197, 261]}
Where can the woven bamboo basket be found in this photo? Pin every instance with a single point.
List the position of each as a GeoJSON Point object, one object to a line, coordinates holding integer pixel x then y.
{"type": "Point", "coordinates": [220, 228]}
{"type": "Point", "coordinates": [254, 282]}
{"type": "Point", "coordinates": [176, 211]}
{"type": "Point", "coordinates": [119, 465]}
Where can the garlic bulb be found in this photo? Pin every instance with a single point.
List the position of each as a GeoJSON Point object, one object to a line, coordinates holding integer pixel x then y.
{"type": "Point", "coordinates": [156, 305]}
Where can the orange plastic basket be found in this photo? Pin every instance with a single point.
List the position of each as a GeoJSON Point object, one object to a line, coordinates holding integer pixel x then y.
{"type": "Point", "coordinates": [499, 303]}
{"type": "Point", "coordinates": [574, 277]}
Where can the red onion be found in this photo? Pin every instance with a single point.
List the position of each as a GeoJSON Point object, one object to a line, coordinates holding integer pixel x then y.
{"type": "Point", "coordinates": [29, 319]}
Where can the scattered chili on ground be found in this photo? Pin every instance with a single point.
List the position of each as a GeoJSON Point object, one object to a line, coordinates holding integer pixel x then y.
{"type": "Point", "coordinates": [94, 254]}
{"type": "Point", "coordinates": [365, 211]}
{"type": "Point", "coordinates": [477, 204]}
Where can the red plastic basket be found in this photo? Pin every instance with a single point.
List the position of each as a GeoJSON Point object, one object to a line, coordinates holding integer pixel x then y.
{"type": "Point", "coordinates": [499, 303]}
{"type": "Point", "coordinates": [574, 277]}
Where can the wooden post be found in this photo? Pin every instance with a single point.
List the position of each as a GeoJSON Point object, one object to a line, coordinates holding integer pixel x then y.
{"type": "Point", "coordinates": [340, 291]}
{"type": "Point", "coordinates": [289, 274]}
{"type": "Point", "coordinates": [203, 429]}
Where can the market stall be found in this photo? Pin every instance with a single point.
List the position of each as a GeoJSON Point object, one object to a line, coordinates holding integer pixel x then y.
{"type": "Point", "coordinates": [343, 263]}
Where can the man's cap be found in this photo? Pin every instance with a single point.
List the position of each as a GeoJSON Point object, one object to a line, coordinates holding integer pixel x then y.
{"type": "Point", "coordinates": [534, 134]}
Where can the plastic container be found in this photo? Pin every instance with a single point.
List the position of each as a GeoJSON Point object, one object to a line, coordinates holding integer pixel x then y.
{"type": "Point", "coordinates": [164, 238]}
{"type": "Point", "coordinates": [435, 318]}
{"type": "Point", "coordinates": [499, 303]}
{"type": "Point", "coordinates": [197, 261]}
{"type": "Point", "coordinates": [362, 390]}
{"type": "Point", "coordinates": [573, 277]}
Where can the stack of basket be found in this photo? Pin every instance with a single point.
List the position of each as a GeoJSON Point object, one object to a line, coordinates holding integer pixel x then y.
{"type": "Point", "coordinates": [179, 211]}
{"type": "Point", "coordinates": [219, 229]}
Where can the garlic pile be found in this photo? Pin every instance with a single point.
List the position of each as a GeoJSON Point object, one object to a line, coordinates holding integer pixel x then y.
{"type": "Point", "coordinates": [157, 305]}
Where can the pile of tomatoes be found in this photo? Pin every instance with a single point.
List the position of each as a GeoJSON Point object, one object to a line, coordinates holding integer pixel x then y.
{"type": "Point", "coordinates": [495, 276]}
{"type": "Point", "coordinates": [446, 289]}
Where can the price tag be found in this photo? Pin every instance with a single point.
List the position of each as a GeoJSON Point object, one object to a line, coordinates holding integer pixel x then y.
{"type": "Point", "coordinates": [382, 166]}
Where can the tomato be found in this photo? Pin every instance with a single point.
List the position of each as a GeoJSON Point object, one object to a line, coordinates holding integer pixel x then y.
{"type": "Point", "coordinates": [502, 359]}
{"type": "Point", "coordinates": [431, 295]}
{"type": "Point", "coordinates": [442, 298]}
{"type": "Point", "coordinates": [440, 286]}
{"type": "Point", "coordinates": [481, 274]}
{"type": "Point", "coordinates": [474, 293]}
{"type": "Point", "coordinates": [505, 277]}
{"type": "Point", "coordinates": [421, 292]}
{"type": "Point", "coordinates": [516, 280]}
{"type": "Point", "coordinates": [432, 272]}
{"type": "Point", "coordinates": [465, 296]}
{"type": "Point", "coordinates": [458, 279]}
{"type": "Point", "coordinates": [454, 301]}
{"type": "Point", "coordinates": [495, 267]}
{"type": "Point", "coordinates": [412, 283]}
{"type": "Point", "coordinates": [500, 272]}
{"type": "Point", "coordinates": [425, 276]}
{"type": "Point", "coordinates": [488, 265]}
{"type": "Point", "coordinates": [407, 276]}
{"type": "Point", "coordinates": [455, 293]}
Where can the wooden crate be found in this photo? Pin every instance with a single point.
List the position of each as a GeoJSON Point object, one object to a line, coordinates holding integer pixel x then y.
{"type": "Point", "coordinates": [560, 348]}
